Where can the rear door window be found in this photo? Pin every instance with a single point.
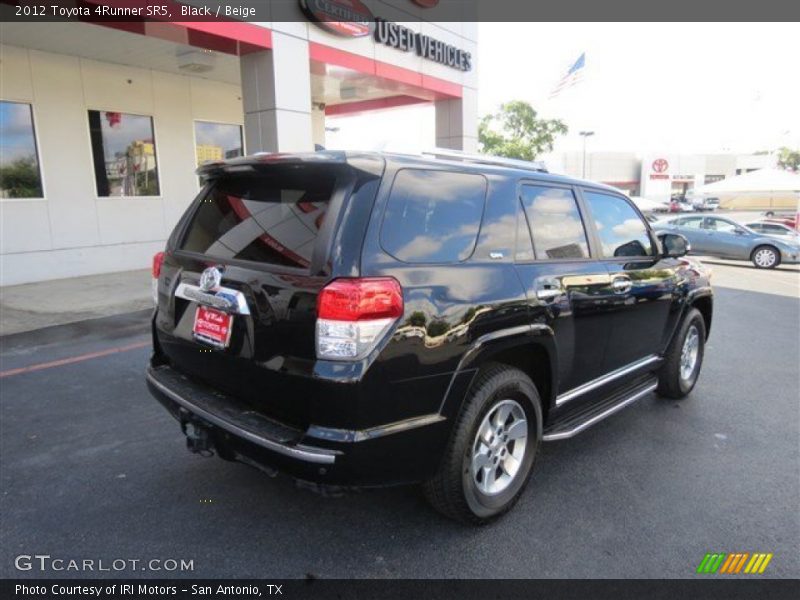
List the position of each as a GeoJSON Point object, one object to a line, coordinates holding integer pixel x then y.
{"type": "Point", "coordinates": [433, 216]}
{"type": "Point", "coordinates": [555, 222]}
{"type": "Point", "coordinates": [272, 217]}
{"type": "Point", "coordinates": [690, 222]}
{"type": "Point", "coordinates": [719, 225]}
{"type": "Point", "coordinates": [621, 230]}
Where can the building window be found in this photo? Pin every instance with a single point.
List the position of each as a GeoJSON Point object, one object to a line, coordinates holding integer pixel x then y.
{"type": "Point", "coordinates": [124, 152]}
{"type": "Point", "coordinates": [217, 141]}
{"type": "Point", "coordinates": [20, 176]}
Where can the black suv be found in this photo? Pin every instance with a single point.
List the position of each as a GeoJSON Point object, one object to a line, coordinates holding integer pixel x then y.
{"type": "Point", "coordinates": [361, 319]}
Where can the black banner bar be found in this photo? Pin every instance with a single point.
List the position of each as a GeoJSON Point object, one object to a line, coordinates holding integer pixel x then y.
{"type": "Point", "coordinates": [721, 588]}
{"type": "Point", "coordinates": [370, 10]}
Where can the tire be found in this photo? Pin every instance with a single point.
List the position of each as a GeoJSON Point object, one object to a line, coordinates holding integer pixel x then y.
{"type": "Point", "coordinates": [463, 490]}
{"type": "Point", "coordinates": [766, 257]}
{"type": "Point", "coordinates": [675, 378]}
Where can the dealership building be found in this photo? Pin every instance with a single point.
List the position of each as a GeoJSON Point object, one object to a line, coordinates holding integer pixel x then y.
{"type": "Point", "coordinates": [103, 125]}
{"type": "Point", "coordinates": [657, 176]}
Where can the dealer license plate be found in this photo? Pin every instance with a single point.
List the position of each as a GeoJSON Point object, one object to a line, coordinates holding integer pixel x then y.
{"type": "Point", "coordinates": [212, 326]}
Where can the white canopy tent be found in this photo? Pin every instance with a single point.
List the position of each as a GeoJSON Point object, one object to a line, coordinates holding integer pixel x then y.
{"type": "Point", "coordinates": [765, 188]}
{"type": "Point", "coordinates": [764, 181]}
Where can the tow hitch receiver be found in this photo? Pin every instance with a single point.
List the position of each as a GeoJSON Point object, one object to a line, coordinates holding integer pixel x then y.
{"type": "Point", "coordinates": [198, 440]}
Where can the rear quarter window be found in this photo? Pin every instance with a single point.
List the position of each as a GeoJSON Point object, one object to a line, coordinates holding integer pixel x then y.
{"type": "Point", "coordinates": [433, 216]}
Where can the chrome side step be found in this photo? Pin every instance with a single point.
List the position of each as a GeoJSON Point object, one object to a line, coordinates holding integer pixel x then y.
{"type": "Point", "coordinates": [606, 379]}
{"type": "Point", "coordinates": [573, 423]}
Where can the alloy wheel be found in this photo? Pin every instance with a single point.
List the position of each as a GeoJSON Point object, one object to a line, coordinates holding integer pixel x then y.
{"type": "Point", "coordinates": [765, 258]}
{"type": "Point", "coordinates": [499, 447]}
{"type": "Point", "coordinates": [689, 353]}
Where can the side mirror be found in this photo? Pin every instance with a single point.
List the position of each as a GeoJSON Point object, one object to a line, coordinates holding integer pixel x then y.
{"type": "Point", "coordinates": [739, 231]}
{"type": "Point", "coordinates": [674, 245]}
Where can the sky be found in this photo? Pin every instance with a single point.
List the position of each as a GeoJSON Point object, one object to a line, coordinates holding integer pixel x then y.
{"type": "Point", "coordinates": [648, 87]}
{"type": "Point", "coordinates": [229, 137]}
{"type": "Point", "coordinates": [16, 131]}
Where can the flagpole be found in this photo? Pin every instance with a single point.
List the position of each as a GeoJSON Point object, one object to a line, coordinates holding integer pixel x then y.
{"type": "Point", "coordinates": [585, 134]}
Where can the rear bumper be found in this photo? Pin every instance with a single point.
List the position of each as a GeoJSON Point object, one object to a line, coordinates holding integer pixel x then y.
{"type": "Point", "coordinates": [219, 411]}
{"type": "Point", "coordinates": [400, 452]}
{"type": "Point", "coordinates": [790, 258]}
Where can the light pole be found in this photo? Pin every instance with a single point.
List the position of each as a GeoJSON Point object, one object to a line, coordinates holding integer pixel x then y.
{"type": "Point", "coordinates": [584, 135]}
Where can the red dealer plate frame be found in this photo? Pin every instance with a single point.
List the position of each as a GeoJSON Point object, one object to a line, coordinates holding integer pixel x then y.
{"type": "Point", "coordinates": [212, 326]}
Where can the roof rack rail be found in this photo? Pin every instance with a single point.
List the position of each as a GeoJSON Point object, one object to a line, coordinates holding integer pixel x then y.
{"type": "Point", "coordinates": [483, 159]}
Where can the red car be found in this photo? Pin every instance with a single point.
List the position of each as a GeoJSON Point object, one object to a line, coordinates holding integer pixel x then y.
{"type": "Point", "coordinates": [788, 221]}
{"type": "Point", "coordinates": [784, 217]}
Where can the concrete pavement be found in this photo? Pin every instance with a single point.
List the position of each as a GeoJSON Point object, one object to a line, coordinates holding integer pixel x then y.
{"type": "Point", "coordinates": [93, 467]}
{"type": "Point", "coordinates": [783, 280]}
{"type": "Point", "coordinates": [35, 305]}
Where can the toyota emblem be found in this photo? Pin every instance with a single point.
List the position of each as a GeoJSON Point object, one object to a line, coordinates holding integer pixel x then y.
{"type": "Point", "coordinates": [210, 279]}
{"type": "Point", "coordinates": [660, 165]}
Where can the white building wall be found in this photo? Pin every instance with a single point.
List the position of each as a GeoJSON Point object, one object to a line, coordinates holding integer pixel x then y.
{"type": "Point", "coordinates": [602, 166]}
{"type": "Point", "coordinates": [72, 231]}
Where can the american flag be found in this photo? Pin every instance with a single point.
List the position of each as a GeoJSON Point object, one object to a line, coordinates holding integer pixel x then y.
{"type": "Point", "coordinates": [573, 76]}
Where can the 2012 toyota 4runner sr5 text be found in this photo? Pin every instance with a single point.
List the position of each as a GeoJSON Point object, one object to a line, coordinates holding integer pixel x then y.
{"type": "Point", "coordinates": [364, 319]}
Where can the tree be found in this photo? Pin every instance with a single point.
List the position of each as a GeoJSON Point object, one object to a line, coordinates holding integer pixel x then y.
{"type": "Point", "coordinates": [789, 159]}
{"type": "Point", "coordinates": [516, 131]}
{"type": "Point", "coordinates": [20, 179]}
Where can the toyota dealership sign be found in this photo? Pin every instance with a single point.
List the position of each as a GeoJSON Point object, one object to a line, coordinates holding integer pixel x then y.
{"type": "Point", "coordinates": [346, 18]}
{"type": "Point", "coordinates": [352, 18]}
{"type": "Point", "coordinates": [659, 169]}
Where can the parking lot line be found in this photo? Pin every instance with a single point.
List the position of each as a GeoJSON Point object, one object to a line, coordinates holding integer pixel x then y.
{"type": "Point", "coordinates": [73, 359]}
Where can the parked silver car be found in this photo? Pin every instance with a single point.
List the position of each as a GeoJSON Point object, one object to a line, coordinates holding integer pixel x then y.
{"type": "Point", "coordinates": [769, 228]}
{"type": "Point", "coordinates": [718, 236]}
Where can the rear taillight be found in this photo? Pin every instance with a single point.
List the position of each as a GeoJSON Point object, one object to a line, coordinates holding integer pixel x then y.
{"type": "Point", "coordinates": [354, 315]}
{"type": "Point", "coordinates": [158, 260]}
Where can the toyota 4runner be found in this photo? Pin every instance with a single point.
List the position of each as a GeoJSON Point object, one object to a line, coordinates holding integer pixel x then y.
{"type": "Point", "coordinates": [363, 319]}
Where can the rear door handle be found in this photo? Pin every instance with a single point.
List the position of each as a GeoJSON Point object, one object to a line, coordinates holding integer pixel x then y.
{"type": "Point", "coordinates": [548, 289]}
{"type": "Point", "coordinates": [621, 285]}
{"type": "Point", "coordinates": [548, 294]}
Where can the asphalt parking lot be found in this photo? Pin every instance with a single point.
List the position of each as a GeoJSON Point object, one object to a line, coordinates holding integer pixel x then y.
{"type": "Point", "coordinates": [91, 467]}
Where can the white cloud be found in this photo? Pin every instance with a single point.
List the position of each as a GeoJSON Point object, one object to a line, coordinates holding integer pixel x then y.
{"type": "Point", "coordinates": [629, 229]}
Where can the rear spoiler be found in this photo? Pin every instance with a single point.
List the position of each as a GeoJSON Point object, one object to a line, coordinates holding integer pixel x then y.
{"type": "Point", "coordinates": [251, 163]}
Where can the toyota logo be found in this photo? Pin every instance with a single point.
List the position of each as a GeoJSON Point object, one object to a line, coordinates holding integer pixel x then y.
{"type": "Point", "coordinates": [660, 165]}
{"type": "Point", "coordinates": [210, 279]}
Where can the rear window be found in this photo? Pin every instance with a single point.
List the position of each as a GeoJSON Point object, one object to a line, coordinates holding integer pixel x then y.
{"type": "Point", "coordinates": [272, 217]}
{"type": "Point", "coordinates": [433, 216]}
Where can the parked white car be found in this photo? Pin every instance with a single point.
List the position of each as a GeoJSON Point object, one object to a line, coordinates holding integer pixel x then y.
{"type": "Point", "coordinates": [647, 206]}
{"type": "Point", "coordinates": [701, 204]}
